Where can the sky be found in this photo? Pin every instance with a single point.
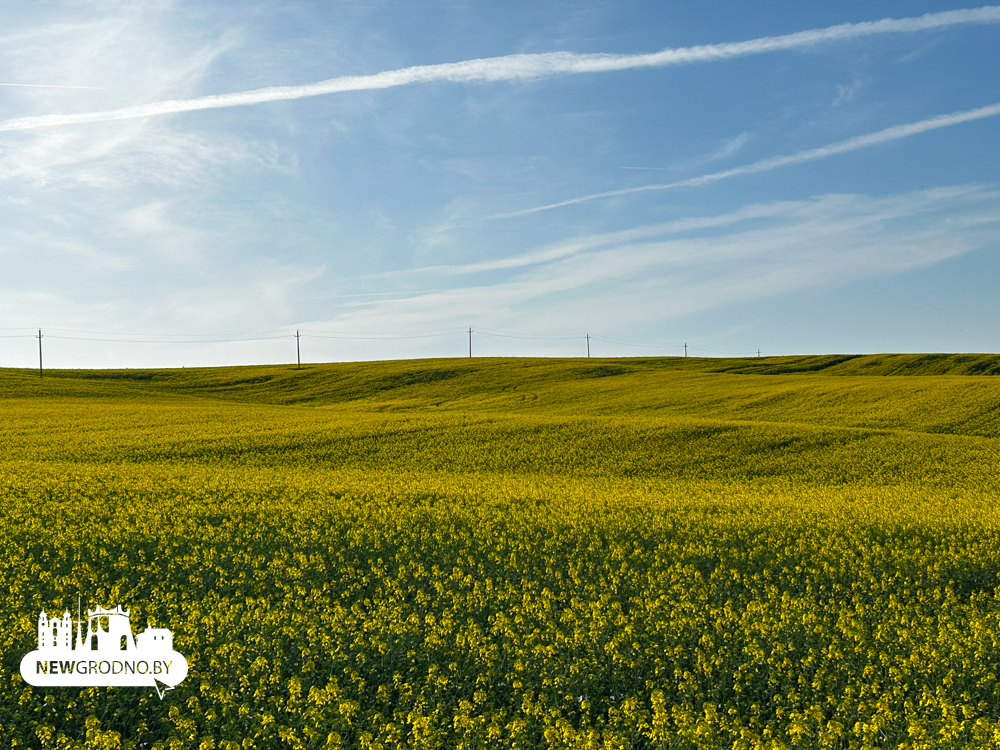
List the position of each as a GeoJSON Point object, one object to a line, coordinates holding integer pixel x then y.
{"type": "Point", "coordinates": [190, 183]}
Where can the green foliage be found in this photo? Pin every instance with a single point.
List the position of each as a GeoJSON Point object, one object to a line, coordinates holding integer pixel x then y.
{"type": "Point", "coordinates": [784, 553]}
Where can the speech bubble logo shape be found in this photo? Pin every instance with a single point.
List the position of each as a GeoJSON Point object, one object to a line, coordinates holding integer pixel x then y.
{"type": "Point", "coordinates": [107, 655]}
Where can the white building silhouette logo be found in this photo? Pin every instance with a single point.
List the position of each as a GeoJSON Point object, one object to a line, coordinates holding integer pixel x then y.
{"type": "Point", "coordinates": [108, 655]}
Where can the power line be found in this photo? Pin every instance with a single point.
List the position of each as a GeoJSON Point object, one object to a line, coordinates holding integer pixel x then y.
{"type": "Point", "coordinates": [435, 331]}
{"type": "Point", "coordinates": [516, 335]}
{"type": "Point", "coordinates": [648, 346]}
{"type": "Point", "coordinates": [386, 337]}
{"type": "Point", "coordinates": [723, 351]}
{"type": "Point", "coordinates": [166, 335]}
{"type": "Point", "coordinates": [279, 334]}
{"type": "Point", "coordinates": [236, 336]}
{"type": "Point", "coordinates": [164, 341]}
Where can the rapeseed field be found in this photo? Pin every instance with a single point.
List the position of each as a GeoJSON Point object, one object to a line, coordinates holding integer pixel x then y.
{"type": "Point", "coordinates": [639, 553]}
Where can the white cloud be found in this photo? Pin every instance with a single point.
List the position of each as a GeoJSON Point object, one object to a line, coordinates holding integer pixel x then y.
{"type": "Point", "coordinates": [765, 165]}
{"type": "Point", "coordinates": [609, 284]}
{"type": "Point", "coordinates": [105, 226]}
{"type": "Point", "coordinates": [129, 50]}
{"type": "Point", "coordinates": [522, 66]}
{"type": "Point", "coordinates": [847, 93]}
{"type": "Point", "coordinates": [729, 147]}
{"type": "Point", "coordinates": [647, 274]}
{"type": "Point", "coordinates": [567, 248]}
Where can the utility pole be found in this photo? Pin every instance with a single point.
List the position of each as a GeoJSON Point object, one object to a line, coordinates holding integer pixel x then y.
{"type": "Point", "coordinates": [298, 351]}
{"type": "Point", "coordinates": [685, 349]}
{"type": "Point", "coordinates": [470, 341]}
{"type": "Point", "coordinates": [758, 352]}
{"type": "Point", "coordinates": [39, 352]}
{"type": "Point", "coordinates": [588, 346]}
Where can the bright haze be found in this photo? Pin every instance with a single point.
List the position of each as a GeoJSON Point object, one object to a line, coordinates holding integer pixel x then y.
{"type": "Point", "coordinates": [190, 183]}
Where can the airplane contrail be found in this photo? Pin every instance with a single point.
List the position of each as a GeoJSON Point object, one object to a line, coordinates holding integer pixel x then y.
{"type": "Point", "coordinates": [524, 66]}
{"type": "Point", "coordinates": [841, 147]}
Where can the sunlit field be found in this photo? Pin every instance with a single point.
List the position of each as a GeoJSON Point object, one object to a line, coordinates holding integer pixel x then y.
{"type": "Point", "coordinates": [522, 553]}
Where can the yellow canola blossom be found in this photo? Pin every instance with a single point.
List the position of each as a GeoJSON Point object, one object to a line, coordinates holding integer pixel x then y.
{"type": "Point", "coordinates": [645, 562]}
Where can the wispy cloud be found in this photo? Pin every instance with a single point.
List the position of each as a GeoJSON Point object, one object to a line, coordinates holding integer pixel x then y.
{"type": "Point", "coordinates": [613, 284]}
{"type": "Point", "coordinates": [573, 246]}
{"type": "Point", "coordinates": [842, 147]}
{"type": "Point", "coordinates": [625, 280]}
{"type": "Point", "coordinates": [51, 86]}
{"type": "Point", "coordinates": [847, 93]}
{"type": "Point", "coordinates": [130, 49]}
{"type": "Point", "coordinates": [111, 218]}
{"type": "Point", "coordinates": [523, 66]}
{"type": "Point", "coordinates": [729, 147]}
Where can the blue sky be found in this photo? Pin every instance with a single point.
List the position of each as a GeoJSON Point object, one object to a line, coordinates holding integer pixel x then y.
{"type": "Point", "coordinates": [784, 176]}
